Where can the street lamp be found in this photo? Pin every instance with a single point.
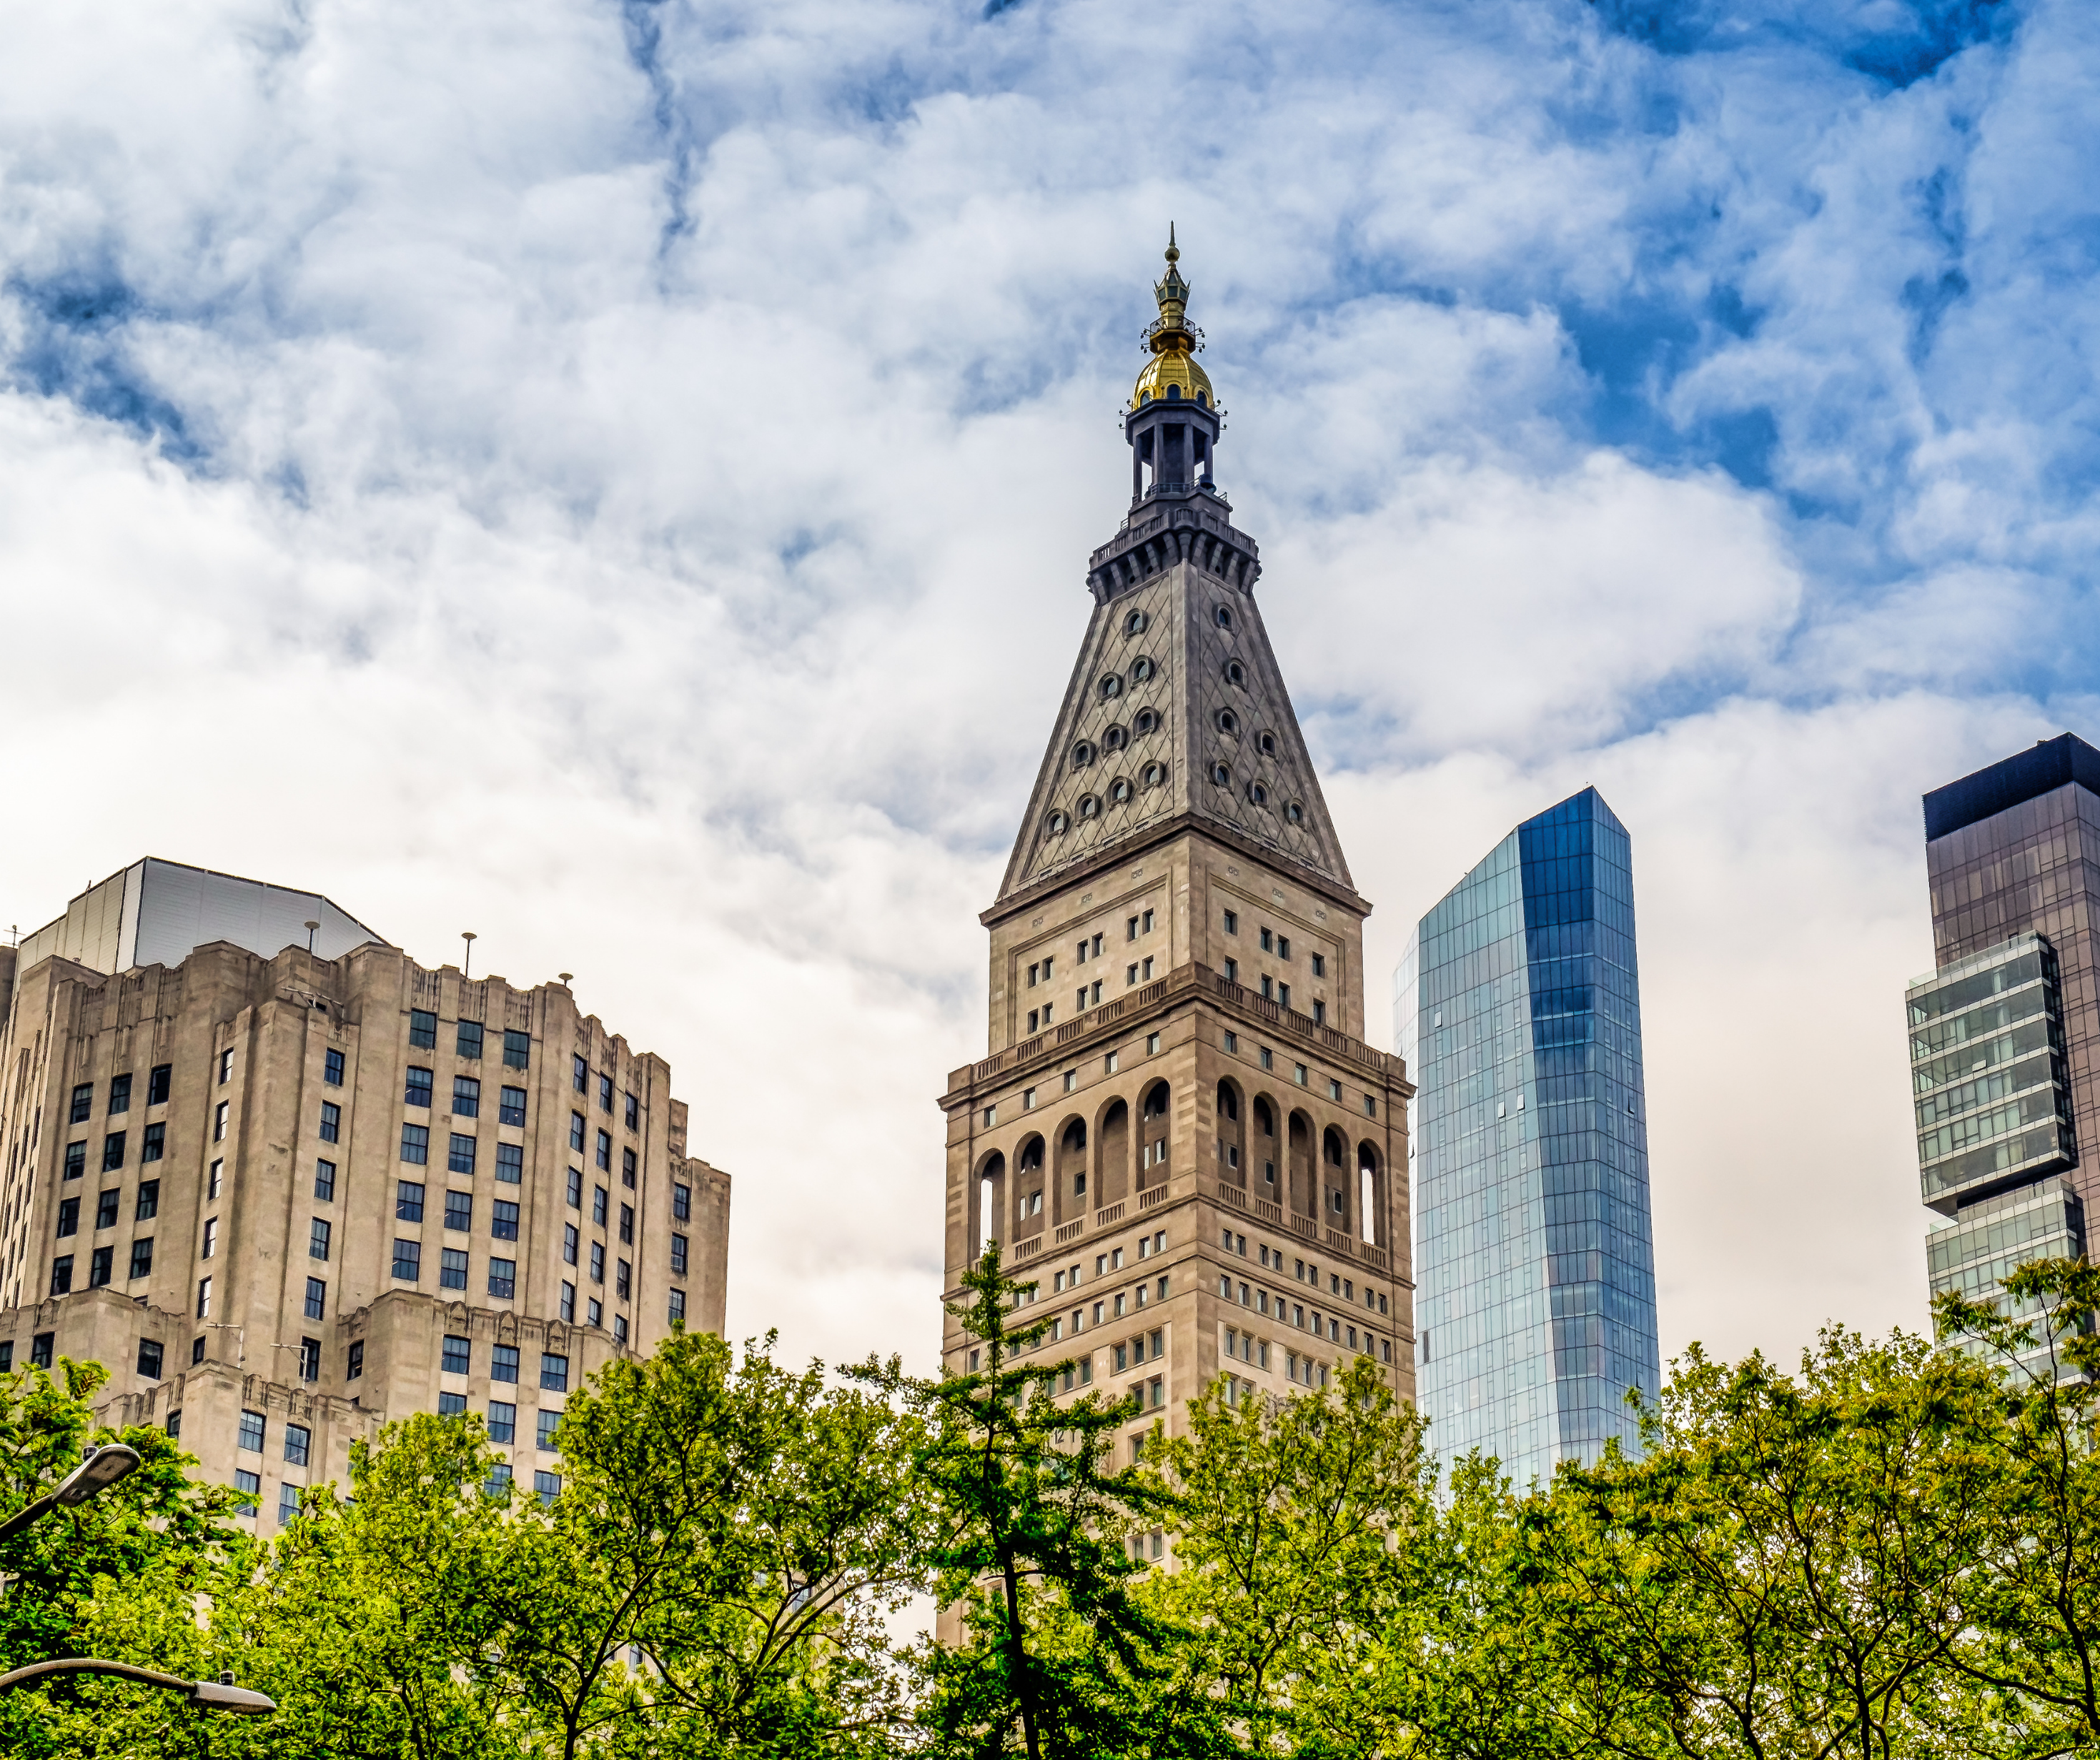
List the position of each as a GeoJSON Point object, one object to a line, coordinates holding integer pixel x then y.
{"type": "Point", "coordinates": [220, 1695]}
{"type": "Point", "coordinates": [101, 1469]}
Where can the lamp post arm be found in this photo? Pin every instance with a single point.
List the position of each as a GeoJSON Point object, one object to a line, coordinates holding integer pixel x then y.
{"type": "Point", "coordinates": [28, 1513]}
{"type": "Point", "coordinates": [217, 1695]}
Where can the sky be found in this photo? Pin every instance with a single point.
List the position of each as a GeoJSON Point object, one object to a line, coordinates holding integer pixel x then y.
{"type": "Point", "coordinates": [618, 478]}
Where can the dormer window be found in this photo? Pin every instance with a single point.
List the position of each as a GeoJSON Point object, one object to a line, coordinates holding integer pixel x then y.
{"type": "Point", "coordinates": [1174, 393]}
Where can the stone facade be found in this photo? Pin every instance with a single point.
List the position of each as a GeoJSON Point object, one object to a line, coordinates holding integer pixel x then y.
{"type": "Point", "coordinates": [1180, 1133]}
{"type": "Point", "coordinates": [211, 1188]}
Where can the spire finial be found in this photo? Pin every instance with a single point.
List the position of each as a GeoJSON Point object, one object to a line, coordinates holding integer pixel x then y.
{"type": "Point", "coordinates": [1173, 250]}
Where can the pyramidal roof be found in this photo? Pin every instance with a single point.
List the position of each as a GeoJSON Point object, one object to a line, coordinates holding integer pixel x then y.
{"type": "Point", "coordinates": [1176, 711]}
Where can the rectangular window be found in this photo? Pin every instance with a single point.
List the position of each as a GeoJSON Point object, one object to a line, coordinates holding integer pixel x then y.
{"type": "Point", "coordinates": [105, 1209]}
{"type": "Point", "coordinates": [549, 1422]}
{"type": "Point", "coordinates": [213, 1180]}
{"type": "Point", "coordinates": [1109, 1063]}
{"type": "Point", "coordinates": [356, 1366]}
{"type": "Point", "coordinates": [627, 1225]}
{"type": "Point", "coordinates": [1283, 947]}
{"type": "Point", "coordinates": [681, 1203]}
{"type": "Point", "coordinates": [408, 1201]}
{"type": "Point", "coordinates": [298, 1442]}
{"type": "Point", "coordinates": [627, 1168]}
{"type": "Point", "coordinates": [1130, 973]}
{"type": "Point", "coordinates": [316, 1298]}
{"type": "Point", "coordinates": [1283, 996]}
{"type": "Point", "coordinates": [68, 1217]}
{"type": "Point", "coordinates": [415, 1144]}
{"type": "Point", "coordinates": [324, 1180]}
{"type": "Point", "coordinates": [633, 1113]}
{"type": "Point", "coordinates": [511, 1108]}
{"type": "Point", "coordinates": [249, 1484]}
{"type": "Point", "coordinates": [575, 1189]}
{"type": "Point", "coordinates": [503, 1363]}
{"type": "Point", "coordinates": [83, 1103]}
{"type": "Point", "coordinates": [416, 1089]}
{"type": "Point", "coordinates": [151, 1354]}
{"type": "Point", "coordinates": [467, 1096]}
{"type": "Point", "coordinates": [619, 1329]}
{"type": "Point", "coordinates": [605, 1093]}
{"type": "Point", "coordinates": [154, 1144]}
{"type": "Point", "coordinates": [252, 1427]}
{"type": "Point", "coordinates": [1319, 965]}
{"type": "Point", "coordinates": [502, 1421]}
{"type": "Point", "coordinates": [408, 1260]}
{"type": "Point", "coordinates": [119, 1094]}
{"type": "Point", "coordinates": [1267, 988]}
{"type": "Point", "coordinates": [459, 1156]}
{"type": "Point", "coordinates": [1298, 1074]}
{"type": "Point", "coordinates": [226, 1065]}
{"type": "Point", "coordinates": [452, 1404]}
{"type": "Point", "coordinates": [331, 1122]}
{"type": "Point", "coordinates": [576, 1132]}
{"type": "Point", "coordinates": [203, 1300]}
{"type": "Point", "coordinates": [310, 1359]}
{"type": "Point", "coordinates": [98, 1265]}
{"type": "Point", "coordinates": [622, 1276]}
{"type": "Point", "coordinates": [1232, 971]}
{"type": "Point", "coordinates": [547, 1486]}
{"type": "Point", "coordinates": [568, 1309]}
{"type": "Point", "coordinates": [677, 1256]}
{"type": "Point", "coordinates": [503, 1278]}
{"type": "Point", "coordinates": [605, 1151]}
{"type": "Point", "coordinates": [75, 1159]}
{"type": "Point", "coordinates": [1232, 923]}
{"type": "Point", "coordinates": [423, 1028]}
{"type": "Point", "coordinates": [452, 1268]}
{"type": "Point", "coordinates": [468, 1042]}
{"type": "Point", "coordinates": [113, 1151]}
{"type": "Point", "coordinates": [317, 1238]}
{"type": "Point", "coordinates": [570, 1240]}
{"type": "Point", "coordinates": [459, 1211]}
{"type": "Point", "coordinates": [580, 1075]}
{"type": "Point", "coordinates": [1267, 941]}
{"type": "Point", "coordinates": [598, 1198]}
{"type": "Point", "coordinates": [456, 1356]}
{"type": "Point", "coordinates": [1152, 1045]}
{"type": "Point", "coordinates": [510, 1163]}
{"type": "Point", "coordinates": [554, 1373]}
{"type": "Point", "coordinates": [40, 1350]}
{"type": "Point", "coordinates": [517, 1050]}
{"type": "Point", "coordinates": [1319, 1013]}
{"type": "Point", "coordinates": [597, 1262]}
{"type": "Point", "coordinates": [1268, 1058]}
{"type": "Point", "coordinates": [503, 1220]}
{"type": "Point", "coordinates": [157, 1084]}
{"type": "Point", "coordinates": [678, 1307]}
{"type": "Point", "coordinates": [142, 1257]}
{"type": "Point", "coordinates": [331, 1069]}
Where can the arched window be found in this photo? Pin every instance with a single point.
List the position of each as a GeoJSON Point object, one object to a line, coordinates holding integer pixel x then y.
{"type": "Point", "coordinates": [1140, 670]}
{"type": "Point", "coordinates": [1056, 823]}
{"type": "Point", "coordinates": [1224, 616]}
{"type": "Point", "coordinates": [1333, 1147]}
{"type": "Point", "coordinates": [1154, 775]}
{"type": "Point", "coordinates": [1135, 623]}
{"type": "Point", "coordinates": [1114, 739]}
{"type": "Point", "coordinates": [1155, 1100]}
{"type": "Point", "coordinates": [1221, 775]}
{"type": "Point", "coordinates": [1119, 790]}
{"type": "Point", "coordinates": [1229, 1102]}
{"type": "Point", "coordinates": [1228, 722]}
{"type": "Point", "coordinates": [1295, 813]}
{"type": "Point", "coordinates": [1082, 755]}
{"type": "Point", "coordinates": [1145, 723]}
{"type": "Point", "coordinates": [1235, 673]}
{"type": "Point", "coordinates": [1264, 1120]}
{"type": "Point", "coordinates": [1090, 806]}
{"type": "Point", "coordinates": [1269, 745]}
{"type": "Point", "coordinates": [1111, 686]}
{"type": "Point", "coordinates": [1257, 793]}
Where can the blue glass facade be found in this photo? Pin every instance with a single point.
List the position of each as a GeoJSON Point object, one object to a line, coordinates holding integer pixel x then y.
{"type": "Point", "coordinates": [1534, 1260]}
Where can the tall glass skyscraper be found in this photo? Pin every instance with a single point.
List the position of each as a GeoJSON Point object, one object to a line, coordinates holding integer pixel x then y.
{"type": "Point", "coordinates": [1519, 1007]}
{"type": "Point", "coordinates": [2004, 1031]}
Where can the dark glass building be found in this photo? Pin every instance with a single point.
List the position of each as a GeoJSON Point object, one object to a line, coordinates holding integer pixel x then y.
{"type": "Point", "coordinates": [2004, 1031]}
{"type": "Point", "coordinates": [1520, 1005]}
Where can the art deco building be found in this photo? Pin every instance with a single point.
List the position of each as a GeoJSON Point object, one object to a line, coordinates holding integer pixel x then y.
{"type": "Point", "coordinates": [1537, 1305]}
{"type": "Point", "coordinates": [2004, 1032]}
{"type": "Point", "coordinates": [287, 1192]}
{"type": "Point", "coordinates": [1178, 1130]}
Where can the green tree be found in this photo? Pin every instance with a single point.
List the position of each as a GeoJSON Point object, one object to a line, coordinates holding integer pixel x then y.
{"type": "Point", "coordinates": [1293, 1523]}
{"type": "Point", "coordinates": [1784, 1571]}
{"type": "Point", "coordinates": [1058, 1659]}
{"type": "Point", "coordinates": [2032, 1638]}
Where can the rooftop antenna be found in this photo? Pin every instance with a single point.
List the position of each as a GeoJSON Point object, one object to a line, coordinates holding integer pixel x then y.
{"type": "Point", "coordinates": [565, 977]}
{"type": "Point", "coordinates": [469, 937]}
{"type": "Point", "coordinates": [311, 925]}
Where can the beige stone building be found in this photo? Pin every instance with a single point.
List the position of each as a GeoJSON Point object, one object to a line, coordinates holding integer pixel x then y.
{"type": "Point", "coordinates": [285, 1196]}
{"type": "Point", "coordinates": [1179, 1132]}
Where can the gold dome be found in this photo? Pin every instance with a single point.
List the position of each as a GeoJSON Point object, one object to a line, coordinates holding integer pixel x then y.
{"type": "Point", "coordinates": [1173, 344]}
